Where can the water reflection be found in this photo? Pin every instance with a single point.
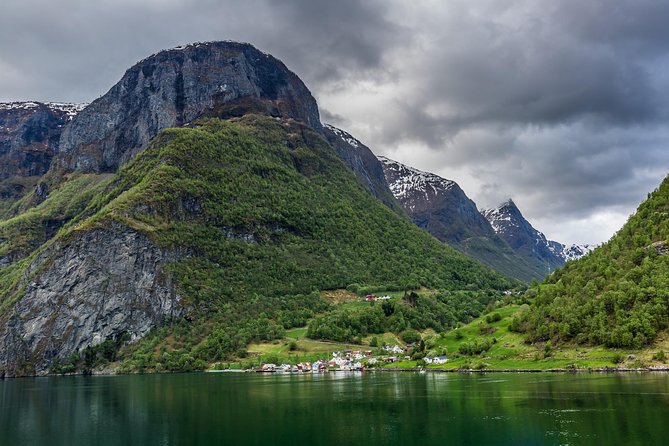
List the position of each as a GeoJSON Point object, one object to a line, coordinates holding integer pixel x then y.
{"type": "Point", "coordinates": [371, 408]}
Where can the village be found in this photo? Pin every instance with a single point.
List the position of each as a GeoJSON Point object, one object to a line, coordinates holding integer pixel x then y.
{"type": "Point", "coordinates": [351, 360]}
{"type": "Point", "coordinates": [354, 360]}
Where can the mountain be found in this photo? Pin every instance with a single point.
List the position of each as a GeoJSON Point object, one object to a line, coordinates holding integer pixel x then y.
{"type": "Point", "coordinates": [167, 89]}
{"type": "Point", "coordinates": [179, 246]}
{"type": "Point", "coordinates": [29, 139]}
{"type": "Point", "coordinates": [364, 164]}
{"type": "Point", "coordinates": [442, 208]}
{"type": "Point", "coordinates": [175, 87]}
{"type": "Point", "coordinates": [30, 134]}
{"type": "Point", "coordinates": [510, 224]}
{"type": "Point", "coordinates": [500, 238]}
{"type": "Point", "coordinates": [618, 295]}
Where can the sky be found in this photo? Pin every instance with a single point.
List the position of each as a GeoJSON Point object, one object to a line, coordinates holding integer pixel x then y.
{"type": "Point", "coordinates": [561, 105]}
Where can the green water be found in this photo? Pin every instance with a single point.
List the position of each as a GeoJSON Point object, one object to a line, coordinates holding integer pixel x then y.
{"type": "Point", "coordinates": [337, 409]}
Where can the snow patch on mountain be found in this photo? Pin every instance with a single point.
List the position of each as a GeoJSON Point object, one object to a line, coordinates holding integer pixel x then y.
{"type": "Point", "coordinates": [346, 137]}
{"type": "Point", "coordinates": [506, 218]}
{"type": "Point", "coordinates": [70, 109]}
{"type": "Point", "coordinates": [18, 105]}
{"type": "Point", "coordinates": [500, 219]}
{"type": "Point", "coordinates": [409, 180]}
{"type": "Point", "coordinates": [574, 252]}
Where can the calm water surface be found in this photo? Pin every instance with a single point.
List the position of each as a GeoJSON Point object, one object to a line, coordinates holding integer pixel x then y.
{"type": "Point", "coordinates": [337, 409]}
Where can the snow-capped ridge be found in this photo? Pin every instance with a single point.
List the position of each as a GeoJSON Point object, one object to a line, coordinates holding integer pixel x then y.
{"type": "Point", "coordinates": [574, 252]}
{"type": "Point", "coordinates": [70, 109]}
{"type": "Point", "coordinates": [506, 219]}
{"type": "Point", "coordinates": [410, 180]}
{"type": "Point", "coordinates": [345, 136]}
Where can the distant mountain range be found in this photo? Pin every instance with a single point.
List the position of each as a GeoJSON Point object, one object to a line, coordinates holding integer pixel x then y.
{"type": "Point", "coordinates": [500, 238]}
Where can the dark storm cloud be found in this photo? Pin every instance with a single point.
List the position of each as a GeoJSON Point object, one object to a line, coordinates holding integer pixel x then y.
{"type": "Point", "coordinates": [562, 105]}
{"type": "Point", "coordinates": [332, 40]}
{"type": "Point", "coordinates": [571, 97]}
{"type": "Point", "coordinates": [533, 63]}
{"type": "Point", "coordinates": [75, 50]}
{"type": "Point", "coordinates": [640, 25]}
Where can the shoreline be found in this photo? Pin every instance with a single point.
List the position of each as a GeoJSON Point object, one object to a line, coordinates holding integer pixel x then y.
{"type": "Point", "coordinates": [554, 370]}
{"type": "Point", "coordinates": [108, 372]}
{"type": "Point", "coordinates": [441, 370]}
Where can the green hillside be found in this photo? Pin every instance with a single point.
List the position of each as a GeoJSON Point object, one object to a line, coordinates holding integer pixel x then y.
{"type": "Point", "coordinates": [262, 214]}
{"type": "Point", "coordinates": [618, 295]}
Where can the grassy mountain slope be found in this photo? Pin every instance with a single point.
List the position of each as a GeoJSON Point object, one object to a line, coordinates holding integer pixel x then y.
{"type": "Point", "coordinates": [618, 295]}
{"type": "Point", "coordinates": [35, 221]}
{"type": "Point", "coordinates": [261, 213]}
{"type": "Point", "coordinates": [252, 194]}
{"type": "Point", "coordinates": [497, 254]}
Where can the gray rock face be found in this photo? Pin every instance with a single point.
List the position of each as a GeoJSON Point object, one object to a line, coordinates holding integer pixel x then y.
{"type": "Point", "coordinates": [78, 294]}
{"type": "Point", "coordinates": [360, 159]}
{"type": "Point", "coordinates": [173, 88]}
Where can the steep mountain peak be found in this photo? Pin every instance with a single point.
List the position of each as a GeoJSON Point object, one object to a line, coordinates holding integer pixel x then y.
{"type": "Point", "coordinates": [510, 224]}
{"type": "Point", "coordinates": [507, 216]}
{"type": "Point", "coordinates": [509, 203]}
{"type": "Point", "coordinates": [175, 87]}
{"type": "Point", "coordinates": [406, 182]}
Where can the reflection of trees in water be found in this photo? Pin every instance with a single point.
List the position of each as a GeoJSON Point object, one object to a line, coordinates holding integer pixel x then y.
{"type": "Point", "coordinates": [371, 408]}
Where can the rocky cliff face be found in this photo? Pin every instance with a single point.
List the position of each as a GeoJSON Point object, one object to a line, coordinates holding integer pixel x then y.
{"type": "Point", "coordinates": [173, 88]}
{"type": "Point", "coordinates": [442, 208]}
{"type": "Point", "coordinates": [77, 294]}
{"type": "Point", "coordinates": [30, 134]}
{"type": "Point", "coordinates": [360, 159]}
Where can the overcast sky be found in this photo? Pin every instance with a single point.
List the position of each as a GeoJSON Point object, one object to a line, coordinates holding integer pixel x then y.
{"type": "Point", "coordinates": [561, 105]}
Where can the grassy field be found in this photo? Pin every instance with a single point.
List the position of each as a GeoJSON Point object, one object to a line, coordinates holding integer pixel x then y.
{"type": "Point", "coordinates": [295, 347]}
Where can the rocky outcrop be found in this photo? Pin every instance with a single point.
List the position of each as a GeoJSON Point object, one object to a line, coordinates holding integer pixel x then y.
{"type": "Point", "coordinates": [175, 87]}
{"type": "Point", "coordinates": [443, 209]}
{"type": "Point", "coordinates": [101, 284]}
{"type": "Point", "coordinates": [360, 159]}
{"type": "Point", "coordinates": [29, 136]}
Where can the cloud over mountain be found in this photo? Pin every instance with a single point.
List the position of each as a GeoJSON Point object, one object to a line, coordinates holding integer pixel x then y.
{"type": "Point", "coordinates": [561, 105]}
